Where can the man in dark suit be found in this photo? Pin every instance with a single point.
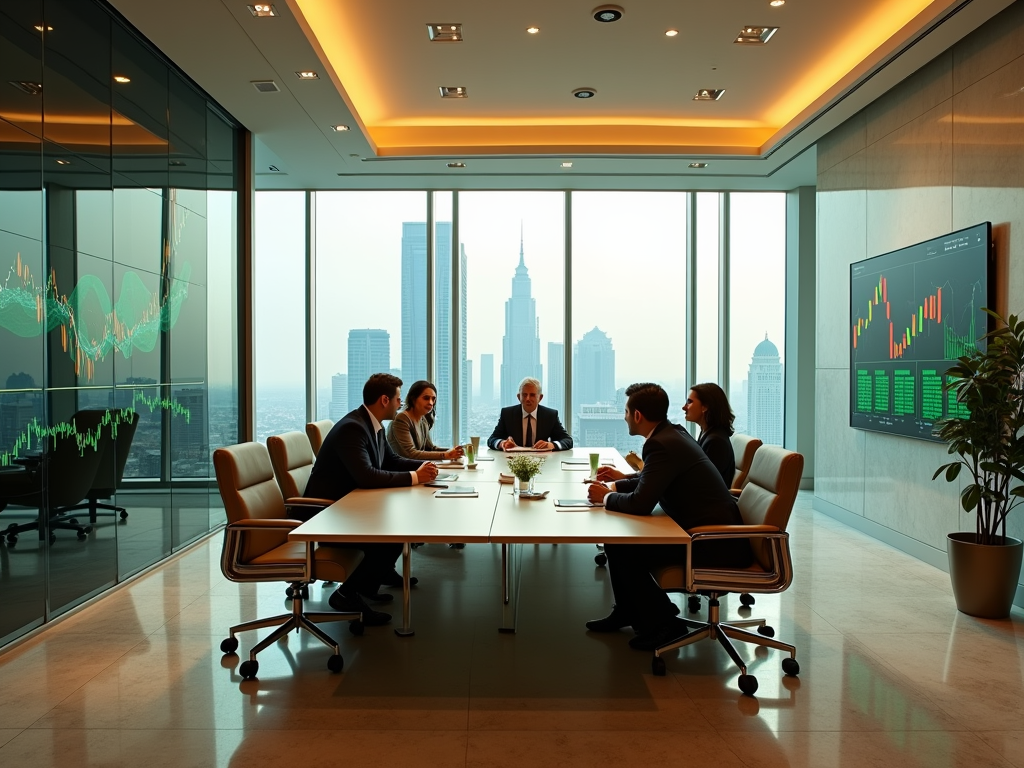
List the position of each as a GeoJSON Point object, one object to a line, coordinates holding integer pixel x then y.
{"type": "Point", "coordinates": [529, 424]}
{"type": "Point", "coordinates": [356, 455]}
{"type": "Point", "coordinates": [678, 475]}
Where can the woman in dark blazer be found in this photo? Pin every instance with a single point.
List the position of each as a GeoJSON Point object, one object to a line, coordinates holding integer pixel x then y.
{"type": "Point", "coordinates": [708, 408]}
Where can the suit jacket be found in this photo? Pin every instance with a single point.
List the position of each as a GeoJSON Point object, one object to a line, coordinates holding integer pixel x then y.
{"type": "Point", "coordinates": [718, 447]}
{"type": "Point", "coordinates": [350, 458]}
{"type": "Point", "coordinates": [678, 475]}
{"type": "Point", "coordinates": [510, 424]}
{"type": "Point", "coordinates": [412, 440]}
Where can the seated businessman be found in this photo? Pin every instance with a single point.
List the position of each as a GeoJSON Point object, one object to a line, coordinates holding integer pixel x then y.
{"type": "Point", "coordinates": [355, 454]}
{"type": "Point", "coordinates": [679, 476]}
{"type": "Point", "coordinates": [529, 424]}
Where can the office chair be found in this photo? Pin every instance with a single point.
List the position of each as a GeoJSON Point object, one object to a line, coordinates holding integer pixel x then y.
{"type": "Point", "coordinates": [110, 471]}
{"type": "Point", "coordinates": [60, 477]}
{"type": "Point", "coordinates": [256, 548]}
{"type": "Point", "coordinates": [765, 503]}
{"type": "Point", "coordinates": [743, 449]}
{"type": "Point", "coordinates": [292, 458]}
{"type": "Point", "coordinates": [316, 431]}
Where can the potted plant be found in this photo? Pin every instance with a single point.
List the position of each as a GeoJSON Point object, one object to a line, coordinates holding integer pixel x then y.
{"type": "Point", "coordinates": [525, 468]}
{"type": "Point", "coordinates": [985, 436]}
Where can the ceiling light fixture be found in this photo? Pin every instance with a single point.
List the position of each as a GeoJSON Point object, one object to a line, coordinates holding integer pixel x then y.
{"type": "Point", "coordinates": [262, 10]}
{"type": "Point", "coordinates": [567, 165]}
{"type": "Point", "coordinates": [307, 74]}
{"type": "Point", "coordinates": [755, 35]}
{"type": "Point", "coordinates": [273, 169]}
{"type": "Point", "coordinates": [698, 165]}
{"type": "Point", "coordinates": [584, 93]}
{"type": "Point", "coordinates": [777, 3]}
{"type": "Point", "coordinates": [63, 162]}
{"type": "Point", "coordinates": [453, 92]}
{"type": "Point", "coordinates": [671, 32]}
{"type": "Point", "coordinates": [27, 86]}
{"type": "Point", "coordinates": [265, 86]}
{"type": "Point", "coordinates": [42, 28]}
{"type": "Point", "coordinates": [456, 165]}
{"type": "Point", "coordinates": [533, 30]}
{"type": "Point", "coordinates": [607, 13]}
{"type": "Point", "coordinates": [445, 33]}
{"type": "Point", "coordinates": [709, 94]}
{"type": "Point", "coordinates": [122, 79]}
{"type": "Point", "coordinates": [176, 163]}
{"type": "Point", "coordinates": [339, 128]}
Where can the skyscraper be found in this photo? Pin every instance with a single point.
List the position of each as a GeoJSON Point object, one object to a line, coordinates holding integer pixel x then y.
{"type": "Point", "coordinates": [554, 387]}
{"type": "Point", "coordinates": [593, 369]}
{"type": "Point", "coordinates": [369, 351]}
{"type": "Point", "coordinates": [487, 379]}
{"type": "Point", "coordinates": [764, 394]}
{"type": "Point", "coordinates": [520, 346]}
{"type": "Point", "coordinates": [339, 396]}
{"type": "Point", "coordinates": [414, 292]}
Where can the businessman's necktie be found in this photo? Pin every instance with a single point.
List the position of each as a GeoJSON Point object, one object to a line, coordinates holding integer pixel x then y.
{"type": "Point", "coordinates": [529, 431]}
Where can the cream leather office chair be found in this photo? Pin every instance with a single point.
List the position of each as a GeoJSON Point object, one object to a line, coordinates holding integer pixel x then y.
{"type": "Point", "coordinates": [765, 503]}
{"type": "Point", "coordinates": [743, 449]}
{"type": "Point", "coordinates": [256, 548]}
{"type": "Point", "coordinates": [316, 431]}
{"type": "Point", "coordinates": [292, 458]}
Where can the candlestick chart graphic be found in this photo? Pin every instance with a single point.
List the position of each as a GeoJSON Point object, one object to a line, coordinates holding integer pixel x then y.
{"type": "Point", "coordinates": [913, 313]}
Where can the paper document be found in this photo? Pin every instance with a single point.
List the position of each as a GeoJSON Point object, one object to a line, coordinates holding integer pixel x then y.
{"type": "Point", "coordinates": [456, 491]}
{"type": "Point", "coordinates": [444, 477]}
{"type": "Point", "coordinates": [523, 449]}
{"type": "Point", "coordinates": [577, 503]}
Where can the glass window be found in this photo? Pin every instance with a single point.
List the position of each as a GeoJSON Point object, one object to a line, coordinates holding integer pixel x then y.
{"type": "Point", "coordinates": [708, 250]}
{"type": "Point", "coordinates": [371, 285]}
{"type": "Point", "coordinates": [279, 268]}
{"type": "Point", "coordinates": [757, 304]}
{"type": "Point", "coordinates": [512, 246]}
{"type": "Point", "coordinates": [628, 308]}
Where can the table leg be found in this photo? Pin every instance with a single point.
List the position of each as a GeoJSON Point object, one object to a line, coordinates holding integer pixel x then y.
{"type": "Point", "coordinates": [511, 565]}
{"type": "Point", "coordinates": [406, 629]}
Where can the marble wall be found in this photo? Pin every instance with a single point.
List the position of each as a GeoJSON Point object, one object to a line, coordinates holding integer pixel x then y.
{"type": "Point", "coordinates": [941, 151]}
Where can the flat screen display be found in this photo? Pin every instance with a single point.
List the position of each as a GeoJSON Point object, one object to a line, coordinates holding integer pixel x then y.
{"type": "Point", "coordinates": [913, 312]}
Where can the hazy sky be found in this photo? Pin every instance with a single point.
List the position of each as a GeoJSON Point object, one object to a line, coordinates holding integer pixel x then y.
{"type": "Point", "coordinates": [628, 274]}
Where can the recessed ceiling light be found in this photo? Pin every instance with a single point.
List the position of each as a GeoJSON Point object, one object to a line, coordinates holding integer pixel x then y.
{"type": "Point", "coordinates": [567, 165]}
{"type": "Point", "coordinates": [709, 94]}
{"type": "Point", "coordinates": [265, 86]}
{"type": "Point", "coordinates": [584, 93]}
{"type": "Point", "coordinates": [307, 74]}
{"type": "Point", "coordinates": [41, 28]}
{"type": "Point", "coordinates": [176, 163]}
{"type": "Point", "coordinates": [777, 3]}
{"type": "Point", "coordinates": [671, 32]}
{"type": "Point", "coordinates": [445, 33]}
{"type": "Point", "coordinates": [755, 35]}
{"type": "Point", "coordinates": [339, 128]}
{"type": "Point", "coordinates": [261, 10]}
{"type": "Point", "coordinates": [533, 30]}
{"type": "Point", "coordinates": [607, 13]}
{"type": "Point", "coordinates": [698, 165]}
{"type": "Point", "coordinates": [456, 165]}
{"type": "Point", "coordinates": [453, 92]}
{"type": "Point", "coordinates": [27, 86]}
{"type": "Point", "coordinates": [122, 79]}
{"type": "Point", "coordinates": [273, 169]}
{"type": "Point", "coordinates": [63, 162]}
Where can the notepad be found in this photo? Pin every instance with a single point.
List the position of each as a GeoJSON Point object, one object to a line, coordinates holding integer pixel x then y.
{"type": "Point", "coordinates": [456, 492]}
{"type": "Point", "coordinates": [584, 461]}
{"type": "Point", "coordinates": [523, 449]}
{"type": "Point", "coordinates": [444, 477]}
{"type": "Point", "coordinates": [577, 503]}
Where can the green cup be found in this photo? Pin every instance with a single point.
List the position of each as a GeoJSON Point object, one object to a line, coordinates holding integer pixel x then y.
{"type": "Point", "coordinates": [470, 450]}
{"type": "Point", "coordinates": [595, 462]}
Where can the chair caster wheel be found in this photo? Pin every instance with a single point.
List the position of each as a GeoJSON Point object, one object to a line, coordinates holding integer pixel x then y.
{"type": "Point", "coordinates": [746, 599]}
{"type": "Point", "coordinates": [693, 604]}
{"type": "Point", "coordinates": [82, 535]}
{"type": "Point", "coordinates": [305, 593]}
{"type": "Point", "coordinates": [229, 645]}
{"type": "Point", "coordinates": [12, 540]}
{"type": "Point", "coordinates": [53, 539]}
{"type": "Point", "coordinates": [356, 628]}
{"type": "Point", "coordinates": [248, 669]}
{"type": "Point", "coordinates": [416, 545]}
{"type": "Point", "coordinates": [658, 666]}
{"type": "Point", "coordinates": [124, 514]}
{"type": "Point", "coordinates": [73, 521]}
{"type": "Point", "coordinates": [456, 546]}
{"type": "Point", "coordinates": [601, 558]}
{"type": "Point", "coordinates": [791, 667]}
{"type": "Point", "coordinates": [289, 593]}
{"type": "Point", "coordinates": [766, 631]}
{"type": "Point", "coordinates": [748, 684]}
{"type": "Point", "coordinates": [336, 663]}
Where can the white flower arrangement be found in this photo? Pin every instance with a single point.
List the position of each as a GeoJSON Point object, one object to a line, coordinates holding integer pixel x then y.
{"type": "Point", "coordinates": [525, 467]}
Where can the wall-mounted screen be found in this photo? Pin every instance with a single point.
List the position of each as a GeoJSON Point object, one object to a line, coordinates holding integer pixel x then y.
{"type": "Point", "coordinates": [913, 312]}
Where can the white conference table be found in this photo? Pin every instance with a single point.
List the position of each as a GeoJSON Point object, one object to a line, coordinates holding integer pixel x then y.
{"type": "Point", "coordinates": [497, 515]}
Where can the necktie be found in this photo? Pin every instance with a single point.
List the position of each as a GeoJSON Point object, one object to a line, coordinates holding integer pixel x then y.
{"type": "Point", "coordinates": [529, 431]}
{"type": "Point", "coordinates": [380, 448]}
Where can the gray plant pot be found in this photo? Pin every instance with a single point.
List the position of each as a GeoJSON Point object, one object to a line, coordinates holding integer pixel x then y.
{"type": "Point", "coordinates": [984, 576]}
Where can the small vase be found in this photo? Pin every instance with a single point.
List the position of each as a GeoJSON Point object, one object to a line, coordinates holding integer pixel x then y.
{"type": "Point", "coordinates": [525, 487]}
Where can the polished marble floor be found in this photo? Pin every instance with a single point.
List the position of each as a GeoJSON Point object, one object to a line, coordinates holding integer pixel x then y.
{"type": "Point", "coordinates": [891, 675]}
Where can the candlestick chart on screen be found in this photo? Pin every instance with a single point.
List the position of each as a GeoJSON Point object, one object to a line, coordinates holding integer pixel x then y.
{"type": "Point", "coordinates": [913, 313]}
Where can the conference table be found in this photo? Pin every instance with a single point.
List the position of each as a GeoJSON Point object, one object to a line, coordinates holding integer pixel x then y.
{"type": "Point", "coordinates": [497, 514]}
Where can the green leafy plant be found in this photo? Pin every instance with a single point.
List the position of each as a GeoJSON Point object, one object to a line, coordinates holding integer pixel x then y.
{"type": "Point", "coordinates": [989, 384]}
{"type": "Point", "coordinates": [525, 467]}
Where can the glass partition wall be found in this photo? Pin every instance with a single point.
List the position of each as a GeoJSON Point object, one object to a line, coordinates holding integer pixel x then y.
{"type": "Point", "coordinates": [118, 253]}
{"type": "Point", "coordinates": [586, 291]}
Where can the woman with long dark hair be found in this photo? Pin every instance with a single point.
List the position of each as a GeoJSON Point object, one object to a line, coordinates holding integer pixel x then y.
{"type": "Point", "coordinates": [708, 407]}
{"type": "Point", "coordinates": [409, 432]}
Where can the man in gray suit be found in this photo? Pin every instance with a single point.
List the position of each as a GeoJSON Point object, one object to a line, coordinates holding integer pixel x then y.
{"type": "Point", "coordinates": [678, 475]}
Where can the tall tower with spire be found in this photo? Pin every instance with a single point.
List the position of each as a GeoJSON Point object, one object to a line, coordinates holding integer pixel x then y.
{"type": "Point", "coordinates": [520, 346]}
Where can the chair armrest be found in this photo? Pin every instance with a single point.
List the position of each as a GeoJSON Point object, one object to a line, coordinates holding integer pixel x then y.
{"type": "Point", "coordinates": [736, 492]}
{"type": "Point", "coordinates": [307, 501]}
{"type": "Point", "coordinates": [709, 532]}
{"type": "Point", "coordinates": [265, 524]}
